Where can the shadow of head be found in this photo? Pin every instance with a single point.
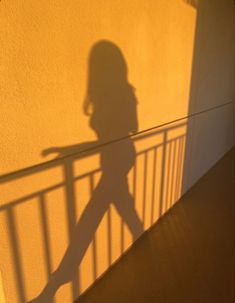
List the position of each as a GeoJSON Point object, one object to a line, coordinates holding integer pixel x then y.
{"type": "Point", "coordinates": [106, 65]}
{"type": "Point", "coordinates": [110, 99]}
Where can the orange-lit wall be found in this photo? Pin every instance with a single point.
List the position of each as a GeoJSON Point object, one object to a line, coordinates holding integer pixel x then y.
{"type": "Point", "coordinates": [180, 58]}
{"type": "Point", "coordinates": [45, 48]}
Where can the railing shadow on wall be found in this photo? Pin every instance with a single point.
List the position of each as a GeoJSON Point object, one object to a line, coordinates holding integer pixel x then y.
{"type": "Point", "coordinates": [69, 213]}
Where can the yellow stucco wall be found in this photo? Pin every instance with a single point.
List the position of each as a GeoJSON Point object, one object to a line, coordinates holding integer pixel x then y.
{"type": "Point", "coordinates": [45, 47]}
{"type": "Point", "coordinates": [44, 53]}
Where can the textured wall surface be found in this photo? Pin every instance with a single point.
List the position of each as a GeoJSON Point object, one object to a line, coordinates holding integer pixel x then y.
{"type": "Point", "coordinates": [77, 215]}
{"type": "Point", "coordinates": [44, 53]}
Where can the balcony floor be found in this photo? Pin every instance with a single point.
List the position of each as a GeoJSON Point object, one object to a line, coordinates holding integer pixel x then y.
{"type": "Point", "coordinates": [188, 256]}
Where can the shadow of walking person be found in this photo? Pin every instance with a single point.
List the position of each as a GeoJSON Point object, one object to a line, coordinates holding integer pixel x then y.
{"type": "Point", "coordinates": [111, 104]}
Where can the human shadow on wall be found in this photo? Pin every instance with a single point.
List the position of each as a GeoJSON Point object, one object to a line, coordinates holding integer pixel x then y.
{"type": "Point", "coordinates": [111, 104]}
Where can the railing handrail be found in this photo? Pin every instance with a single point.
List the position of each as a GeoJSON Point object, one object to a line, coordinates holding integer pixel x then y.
{"type": "Point", "coordinates": [95, 149]}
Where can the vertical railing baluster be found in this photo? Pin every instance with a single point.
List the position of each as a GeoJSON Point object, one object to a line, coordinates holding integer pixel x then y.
{"type": "Point", "coordinates": [181, 165]}
{"type": "Point", "coordinates": [168, 175]}
{"type": "Point", "coordinates": [153, 183]}
{"type": "Point", "coordinates": [71, 213]}
{"type": "Point", "coordinates": [16, 255]}
{"type": "Point", "coordinates": [173, 173]}
{"type": "Point", "coordinates": [93, 242]}
{"type": "Point", "coordinates": [45, 233]}
{"type": "Point", "coordinates": [162, 174]}
{"type": "Point", "coordinates": [178, 169]}
{"type": "Point", "coordinates": [175, 197]}
{"type": "Point", "coordinates": [145, 186]}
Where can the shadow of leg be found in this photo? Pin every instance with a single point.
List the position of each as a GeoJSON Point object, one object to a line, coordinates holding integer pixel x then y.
{"type": "Point", "coordinates": [81, 238]}
{"type": "Point", "coordinates": [124, 203]}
